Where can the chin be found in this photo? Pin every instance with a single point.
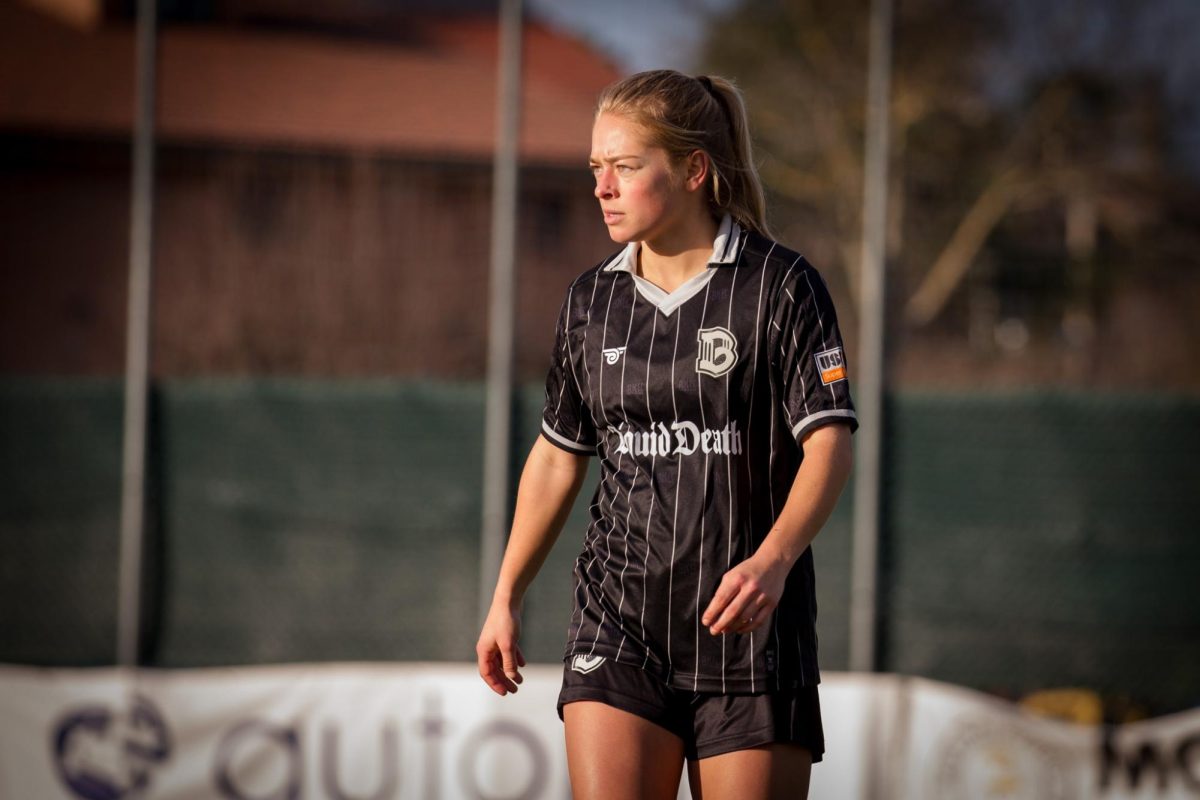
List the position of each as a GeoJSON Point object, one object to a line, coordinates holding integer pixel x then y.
{"type": "Point", "coordinates": [620, 237]}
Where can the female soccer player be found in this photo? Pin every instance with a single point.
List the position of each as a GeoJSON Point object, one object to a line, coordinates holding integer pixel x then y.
{"type": "Point", "coordinates": [703, 365]}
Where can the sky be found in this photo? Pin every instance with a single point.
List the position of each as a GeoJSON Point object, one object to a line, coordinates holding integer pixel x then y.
{"type": "Point", "coordinates": [1160, 36]}
{"type": "Point", "coordinates": [637, 34]}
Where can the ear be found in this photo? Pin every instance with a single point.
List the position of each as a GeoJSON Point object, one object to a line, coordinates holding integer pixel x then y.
{"type": "Point", "coordinates": [696, 170]}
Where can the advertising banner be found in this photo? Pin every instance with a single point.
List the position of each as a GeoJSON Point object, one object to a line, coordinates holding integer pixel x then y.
{"type": "Point", "coordinates": [956, 743]}
{"type": "Point", "coordinates": [314, 731]}
{"type": "Point", "coordinates": [435, 732]}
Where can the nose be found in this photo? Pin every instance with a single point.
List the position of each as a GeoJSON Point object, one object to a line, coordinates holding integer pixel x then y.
{"type": "Point", "coordinates": [605, 185]}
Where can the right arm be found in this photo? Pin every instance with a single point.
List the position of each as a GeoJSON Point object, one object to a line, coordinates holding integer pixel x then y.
{"type": "Point", "coordinates": [549, 483]}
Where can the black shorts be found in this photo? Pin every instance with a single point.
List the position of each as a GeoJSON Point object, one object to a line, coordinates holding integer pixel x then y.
{"type": "Point", "coordinates": [709, 724]}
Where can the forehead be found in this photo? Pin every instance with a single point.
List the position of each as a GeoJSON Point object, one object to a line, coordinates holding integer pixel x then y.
{"type": "Point", "coordinates": [615, 135]}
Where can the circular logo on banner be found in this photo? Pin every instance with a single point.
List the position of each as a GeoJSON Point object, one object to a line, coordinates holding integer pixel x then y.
{"type": "Point", "coordinates": [980, 758]}
{"type": "Point", "coordinates": [105, 755]}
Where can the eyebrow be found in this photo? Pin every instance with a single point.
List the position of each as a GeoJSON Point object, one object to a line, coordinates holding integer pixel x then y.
{"type": "Point", "coordinates": [612, 159]}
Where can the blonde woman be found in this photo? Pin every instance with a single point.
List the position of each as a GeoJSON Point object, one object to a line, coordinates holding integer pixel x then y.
{"type": "Point", "coordinates": [702, 364]}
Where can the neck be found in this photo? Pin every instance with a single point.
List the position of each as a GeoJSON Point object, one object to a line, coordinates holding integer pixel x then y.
{"type": "Point", "coordinates": [679, 254]}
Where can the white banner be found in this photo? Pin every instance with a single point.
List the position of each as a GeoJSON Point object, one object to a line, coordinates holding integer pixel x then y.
{"type": "Point", "coordinates": [956, 743]}
{"type": "Point", "coordinates": [435, 732]}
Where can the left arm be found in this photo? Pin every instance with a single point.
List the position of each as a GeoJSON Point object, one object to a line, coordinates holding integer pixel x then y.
{"type": "Point", "coordinates": [751, 590]}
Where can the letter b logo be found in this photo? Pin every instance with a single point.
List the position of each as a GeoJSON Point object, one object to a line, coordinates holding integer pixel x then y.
{"type": "Point", "coordinates": [718, 351]}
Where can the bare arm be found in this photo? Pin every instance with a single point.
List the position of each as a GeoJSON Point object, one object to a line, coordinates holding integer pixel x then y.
{"type": "Point", "coordinates": [751, 590]}
{"type": "Point", "coordinates": [549, 483]}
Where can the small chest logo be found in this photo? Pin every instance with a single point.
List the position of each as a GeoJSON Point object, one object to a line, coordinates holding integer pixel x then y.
{"type": "Point", "coordinates": [612, 354]}
{"type": "Point", "coordinates": [586, 664]}
{"type": "Point", "coordinates": [832, 365]}
{"type": "Point", "coordinates": [718, 351]}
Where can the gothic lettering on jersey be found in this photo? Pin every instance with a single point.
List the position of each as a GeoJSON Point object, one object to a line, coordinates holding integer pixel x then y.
{"type": "Point", "coordinates": [681, 439]}
{"type": "Point", "coordinates": [718, 351]}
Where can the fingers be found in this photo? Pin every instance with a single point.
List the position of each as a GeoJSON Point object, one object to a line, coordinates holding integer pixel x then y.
{"type": "Point", "coordinates": [498, 666]}
{"type": "Point", "coordinates": [498, 655]}
{"type": "Point", "coordinates": [491, 669]}
{"type": "Point", "coordinates": [726, 592]}
{"type": "Point", "coordinates": [745, 618]}
{"type": "Point", "coordinates": [510, 658]}
{"type": "Point", "coordinates": [725, 610]}
{"type": "Point", "coordinates": [754, 615]}
{"type": "Point", "coordinates": [739, 606]}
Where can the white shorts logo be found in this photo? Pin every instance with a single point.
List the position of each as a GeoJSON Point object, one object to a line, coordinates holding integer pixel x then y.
{"type": "Point", "coordinates": [586, 664]}
{"type": "Point", "coordinates": [612, 354]}
{"type": "Point", "coordinates": [718, 351]}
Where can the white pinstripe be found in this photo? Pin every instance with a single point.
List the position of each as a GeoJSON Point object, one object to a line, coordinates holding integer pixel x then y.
{"type": "Point", "coordinates": [675, 514]}
{"type": "Point", "coordinates": [629, 497]}
{"type": "Point", "coordinates": [571, 363]}
{"type": "Point", "coordinates": [612, 497]}
{"type": "Point", "coordinates": [703, 504]}
{"type": "Point", "coordinates": [587, 326]}
{"type": "Point", "coordinates": [566, 315]}
{"type": "Point", "coordinates": [821, 324]}
{"type": "Point", "coordinates": [593, 529]}
{"type": "Point", "coordinates": [650, 512]}
{"type": "Point", "coordinates": [798, 359]}
{"type": "Point", "coordinates": [588, 373]}
{"type": "Point", "coordinates": [751, 544]}
{"type": "Point", "coordinates": [729, 465]}
{"type": "Point", "coordinates": [608, 555]}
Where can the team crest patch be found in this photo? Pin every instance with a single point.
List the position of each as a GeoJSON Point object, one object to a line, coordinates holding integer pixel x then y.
{"type": "Point", "coordinates": [586, 664]}
{"type": "Point", "coordinates": [718, 351]}
{"type": "Point", "coordinates": [832, 365]}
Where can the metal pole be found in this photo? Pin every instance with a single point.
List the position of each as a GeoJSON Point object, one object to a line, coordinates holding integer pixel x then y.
{"type": "Point", "coordinates": [867, 484]}
{"type": "Point", "coordinates": [497, 434]}
{"type": "Point", "coordinates": [137, 353]}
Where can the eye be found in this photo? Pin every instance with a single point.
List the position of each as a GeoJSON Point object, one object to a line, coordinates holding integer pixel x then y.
{"type": "Point", "coordinates": [624, 169]}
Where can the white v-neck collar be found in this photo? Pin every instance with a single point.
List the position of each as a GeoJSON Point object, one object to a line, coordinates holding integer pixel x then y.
{"type": "Point", "coordinates": [726, 249]}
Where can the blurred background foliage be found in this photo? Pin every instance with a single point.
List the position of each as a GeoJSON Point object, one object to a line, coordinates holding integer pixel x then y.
{"type": "Point", "coordinates": [1044, 223]}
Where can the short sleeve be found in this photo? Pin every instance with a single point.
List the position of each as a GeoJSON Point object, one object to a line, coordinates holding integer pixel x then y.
{"type": "Point", "coordinates": [566, 420]}
{"type": "Point", "coordinates": [809, 355]}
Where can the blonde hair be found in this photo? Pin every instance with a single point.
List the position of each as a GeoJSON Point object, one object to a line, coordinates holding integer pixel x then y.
{"type": "Point", "coordinates": [682, 114]}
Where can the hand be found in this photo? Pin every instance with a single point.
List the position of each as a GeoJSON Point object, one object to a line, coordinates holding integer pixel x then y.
{"type": "Point", "coordinates": [748, 593]}
{"type": "Point", "coordinates": [497, 650]}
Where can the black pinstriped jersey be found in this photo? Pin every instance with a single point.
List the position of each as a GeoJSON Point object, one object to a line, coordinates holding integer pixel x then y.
{"type": "Point", "coordinates": [695, 402]}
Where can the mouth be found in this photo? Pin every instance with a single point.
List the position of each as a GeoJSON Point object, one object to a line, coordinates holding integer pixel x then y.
{"type": "Point", "coordinates": [612, 217]}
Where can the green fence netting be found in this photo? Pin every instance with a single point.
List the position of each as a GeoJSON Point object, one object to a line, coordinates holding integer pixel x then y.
{"type": "Point", "coordinates": [1030, 540]}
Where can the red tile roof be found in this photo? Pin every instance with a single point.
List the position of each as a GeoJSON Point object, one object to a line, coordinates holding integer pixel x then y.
{"type": "Point", "coordinates": [283, 88]}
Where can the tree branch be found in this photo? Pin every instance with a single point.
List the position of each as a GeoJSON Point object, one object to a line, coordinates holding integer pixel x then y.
{"type": "Point", "coordinates": [955, 259]}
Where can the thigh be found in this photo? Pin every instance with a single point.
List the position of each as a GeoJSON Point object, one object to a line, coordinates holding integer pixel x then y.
{"type": "Point", "coordinates": [615, 755]}
{"type": "Point", "coordinates": [768, 772]}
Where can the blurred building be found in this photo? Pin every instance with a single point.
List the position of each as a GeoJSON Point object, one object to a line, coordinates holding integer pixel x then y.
{"type": "Point", "coordinates": [324, 186]}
